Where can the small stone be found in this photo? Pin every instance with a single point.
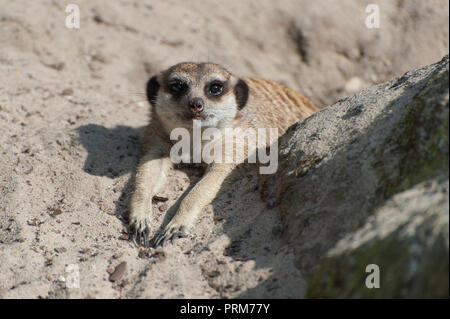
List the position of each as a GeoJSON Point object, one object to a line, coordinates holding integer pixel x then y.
{"type": "Point", "coordinates": [57, 66]}
{"type": "Point", "coordinates": [118, 272]}
{"type": "Point", "coordinates": [68, 91]}
{"type": "Point", "coordinates": [98, 18]}
{"type": "Point", "coordinates": [276, 230]}
{"type": "Point", "coordinates": [117, 255]}
{"type": "Point", "coordinates": [213, 274]}
{"type": "Point", "coordinates": [159, 255]}
{"type": "Point", "coordinates": [56, 211]}
{"type": "Point", "coordinates": [157, 198]}
{"type": "Point", "coordinates": [240, 259]}
{"type": "Point", "coordinates": [60, 250]}
{"type": "Point", "coordinates": [143, 253]}
{"type": "Point", "coordinates": [34, 222]}
{"type": "Point", "coordinates": [84, 251]}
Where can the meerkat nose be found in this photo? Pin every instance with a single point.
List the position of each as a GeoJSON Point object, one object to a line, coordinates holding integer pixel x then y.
{"type": "Point", "coordinates": [196, 105]}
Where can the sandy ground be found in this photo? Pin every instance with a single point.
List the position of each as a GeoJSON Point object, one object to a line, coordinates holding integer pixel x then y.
{"type": "Point", "coordinates": [72, 109]}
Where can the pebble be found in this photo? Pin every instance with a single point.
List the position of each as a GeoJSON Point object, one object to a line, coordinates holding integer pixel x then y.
{"type": "Point", "coordinates": [68, 91]}
{"type": "Point", "coordinates": [56, 211]}
{"type": "Point", "coordinates": [118, 272]}
{"type": "Point", "coordinates": [157, 198]}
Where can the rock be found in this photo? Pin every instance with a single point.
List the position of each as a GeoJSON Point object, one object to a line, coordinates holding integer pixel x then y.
{"type": "Point", "coordinates": [56, 211]}
{"type": "Point", "coordinates": [118, 272]}
{"type": "Point", "coordinates": [157, 198]}
{"type": "Point", "coordinates": [407, 239]}
{"type": "Point", "coordinates": [34, 222]}
{"type": "Point", "coordinates": [163, 207]}
{"type": "Point", "coordinates": [57, 65]}
{"type": "Point", "coordinates": [68, 91]}
{"type": "Point", "coordinates": [9, 230]}
{"type": "Point", "coordinates": [60, 250]}
{"type": "Point", "coordinates": [338, 166]}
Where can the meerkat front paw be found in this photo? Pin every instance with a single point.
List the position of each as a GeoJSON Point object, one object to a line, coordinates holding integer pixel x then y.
{"type": "Point", "coordinates": [140, 225]}
{"type": "Point", "coordinates": [172, 231]}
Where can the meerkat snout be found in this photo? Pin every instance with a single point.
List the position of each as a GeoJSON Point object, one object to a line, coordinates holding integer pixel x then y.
{"type": "Point", "coordinates": [196, 105]}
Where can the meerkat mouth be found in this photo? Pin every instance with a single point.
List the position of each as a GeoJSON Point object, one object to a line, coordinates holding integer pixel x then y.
{"type": "Point", "coordinates": [196, 117]}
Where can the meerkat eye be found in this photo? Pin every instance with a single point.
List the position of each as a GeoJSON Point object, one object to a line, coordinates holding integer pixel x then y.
{"type": "Point", "coordinates": [216, 88]}
{"type": "Point", "coordinates": [176, 87]}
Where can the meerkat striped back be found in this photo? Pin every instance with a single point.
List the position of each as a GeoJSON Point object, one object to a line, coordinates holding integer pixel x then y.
{"type": "Point", "coordinates": [282, 106]}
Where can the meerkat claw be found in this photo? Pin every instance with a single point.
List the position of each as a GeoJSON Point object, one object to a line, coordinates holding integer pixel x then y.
{"type": "Point", "coordinates": [143, 237]}
{"type": "Point", "coordinates": [141, 234]}
{"type": "Point", "coordinates": [171, 233]}
{"type": "Point", "coordinates": [160, 240]}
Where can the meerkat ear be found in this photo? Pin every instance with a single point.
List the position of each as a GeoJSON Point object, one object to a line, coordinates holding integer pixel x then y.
{"type": "Point", "coordinates": [152, 89]}
{"type": "Point", "coordinates": [241, 92]}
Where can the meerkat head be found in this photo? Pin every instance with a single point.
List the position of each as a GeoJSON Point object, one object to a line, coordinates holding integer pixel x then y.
{"type": "Point", "coordinates": [197, 91]}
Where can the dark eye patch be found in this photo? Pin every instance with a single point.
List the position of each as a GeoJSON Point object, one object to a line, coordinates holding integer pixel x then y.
{"type": "Point", "coordinates": [152, 89]}
{"type": "Point", "coordinates": [177, 87]}
{"type": "Point", "coordinates": [215, 88]}
{"type": "Point", "coordinates": [241, 91]}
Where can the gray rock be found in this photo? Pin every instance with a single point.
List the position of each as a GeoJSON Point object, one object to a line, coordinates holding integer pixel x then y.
{"type": "Point", "coordinates": [406, 239]}
{"type": "Point", "coordinates": [338, 166]}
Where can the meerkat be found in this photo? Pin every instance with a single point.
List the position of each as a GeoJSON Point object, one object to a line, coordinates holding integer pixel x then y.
{"type": "Point", "coordinates": [208, 93]}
